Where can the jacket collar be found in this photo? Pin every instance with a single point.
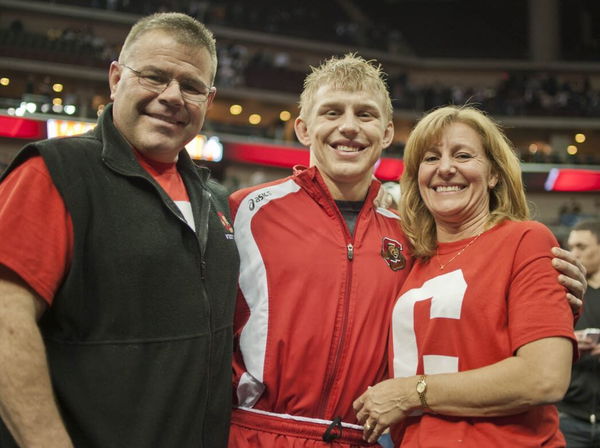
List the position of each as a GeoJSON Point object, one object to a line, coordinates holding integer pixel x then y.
{"type": "Point", "coordinates": [312, 182]}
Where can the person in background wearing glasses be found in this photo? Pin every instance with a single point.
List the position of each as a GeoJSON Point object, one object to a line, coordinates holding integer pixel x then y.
{"type": "Point", "coordinates": [118, 268]}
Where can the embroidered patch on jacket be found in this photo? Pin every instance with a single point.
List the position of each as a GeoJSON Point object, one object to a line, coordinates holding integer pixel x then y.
{"type": "Point", "coordinates": [228, 227]}
{"type": "Point", "coordinates": [391, 251]}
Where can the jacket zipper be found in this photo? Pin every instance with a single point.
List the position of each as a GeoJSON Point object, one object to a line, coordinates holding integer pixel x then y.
{"type": "Point", "coordinates": [332, 374]}
{"type": "Point", "coordinates": [350, 251]}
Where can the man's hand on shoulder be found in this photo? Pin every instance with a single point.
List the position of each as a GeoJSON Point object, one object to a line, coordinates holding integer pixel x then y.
{"type": "Point", "coordinates": [572, 276]}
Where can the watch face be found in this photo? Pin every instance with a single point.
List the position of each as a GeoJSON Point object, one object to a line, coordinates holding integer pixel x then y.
{"type": "Point", "coordinates": [421, 387]}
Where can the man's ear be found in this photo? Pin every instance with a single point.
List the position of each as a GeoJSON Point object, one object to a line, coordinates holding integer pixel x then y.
{"type": "Point", "coordinates": [388, 134]}
{"type": "Point", "coordinates": [211, 97]}
{"type": "Point", "coordinates": [302, 131]}
{"type": "Point", "coordinates": [114, 76]}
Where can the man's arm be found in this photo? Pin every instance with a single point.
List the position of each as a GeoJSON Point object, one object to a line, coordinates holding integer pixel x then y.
{"type": "Point", "coordinates": [27, 404]}
{"type": "Point", "coordinates": [572, 276]}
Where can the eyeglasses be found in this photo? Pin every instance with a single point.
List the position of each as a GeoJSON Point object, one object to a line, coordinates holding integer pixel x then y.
{"type": "Point", "coordinates": [157, 82]}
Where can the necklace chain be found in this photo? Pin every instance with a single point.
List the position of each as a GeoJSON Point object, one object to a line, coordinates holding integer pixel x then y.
{"type": "Point", "coordinates": [437, 251]}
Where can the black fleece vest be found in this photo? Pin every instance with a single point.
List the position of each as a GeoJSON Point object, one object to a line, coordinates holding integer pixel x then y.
{"type": "Point", "coordinates": [139, 335]}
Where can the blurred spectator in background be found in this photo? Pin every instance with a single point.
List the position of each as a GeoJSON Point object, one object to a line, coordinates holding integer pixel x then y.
{"type": "Point", "coordinates": [580, 408]}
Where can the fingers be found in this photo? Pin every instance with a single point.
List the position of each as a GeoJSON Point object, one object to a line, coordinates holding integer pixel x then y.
{"type": "Point", "coordinates": [358, 404]}
{"type": "Point", "coordinates": [568, 265]}
{"type": "Point", "coordinates": [565, 255]}
{"type": "Point", "coordinates": [575, 287]}
{"type": "Point", "coordinates": [374, 431]}
{"type": "Point", "coordinates": [387, 201]}
{"type": "Point", "coordinates": [362, 417]}
{"type": "Point", "coordinates": [372, 415]}
{"type": "Point", "coordinates": [368, 428]}
{"type": "Point", "coordinates": [571, 275]}
{"type": "Point", "coordinates": [575, 303]}
{"type": "Point", "coordinates": [570, 270]}
{"type": "Point", "coordinates": [383, 199]}
{"type": "Point", "coordinates": [361, 412]}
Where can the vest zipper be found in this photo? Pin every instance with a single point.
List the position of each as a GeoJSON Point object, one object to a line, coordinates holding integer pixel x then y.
{"type": "Point", "coordinates": [202, 237]}
{"type": "Point", "coordinates": [202, 268]}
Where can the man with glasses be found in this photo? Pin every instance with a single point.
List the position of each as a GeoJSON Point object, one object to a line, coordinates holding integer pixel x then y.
{"type": "Point", "coordinates": [118, 267]}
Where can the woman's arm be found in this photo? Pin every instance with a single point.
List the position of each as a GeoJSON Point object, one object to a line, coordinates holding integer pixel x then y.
{"type": "Point", "coordinates": [539, 373]}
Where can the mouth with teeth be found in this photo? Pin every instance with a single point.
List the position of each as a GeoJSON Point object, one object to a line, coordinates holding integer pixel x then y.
{"type": "Point", "coordinates": [448, 188]}
{"type": "Point", "coordinates": [348, 148]}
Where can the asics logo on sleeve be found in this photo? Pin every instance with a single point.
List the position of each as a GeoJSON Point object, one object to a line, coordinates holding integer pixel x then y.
{"type": "Point", "coordinates": [258, 198]}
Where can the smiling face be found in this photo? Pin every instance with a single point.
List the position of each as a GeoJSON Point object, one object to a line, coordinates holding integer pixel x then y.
{"type": "Point", "coordinates": [455, 177]}
{"type": "Point", "coordinates": [159, 124]}
{"type": "Point", "coordinates": [346, 132]}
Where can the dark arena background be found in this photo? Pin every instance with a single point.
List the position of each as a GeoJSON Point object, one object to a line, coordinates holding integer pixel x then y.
{"type": "Point", "coordinates": [533, 65]}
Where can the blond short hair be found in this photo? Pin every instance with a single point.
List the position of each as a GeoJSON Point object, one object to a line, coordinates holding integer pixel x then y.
{"type": "Point", "coordinates": [350, 72]}
{"type": "Point", "coordinates": [183, 28]}
{"type": "Point", "coordinates": [507, 198]}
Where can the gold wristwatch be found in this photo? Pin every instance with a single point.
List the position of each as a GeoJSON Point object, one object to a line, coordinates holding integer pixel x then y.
{"type": "Point", "coordinates": [422, 390]}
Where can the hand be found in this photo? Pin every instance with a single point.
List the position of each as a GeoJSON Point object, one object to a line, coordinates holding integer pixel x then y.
{"type": "Point", "coordinates": [384, 199]}
{"type": "Point", "coordinates": [596, 350]}
{"type": "Point", "coordinates": [584, 343]}
{"type": "Point", "coordinates": [572, 277]}
{"type": "Point", "coordinates": [385, 404]}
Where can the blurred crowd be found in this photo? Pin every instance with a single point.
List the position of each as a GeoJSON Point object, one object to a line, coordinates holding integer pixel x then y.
{"type": "Point", "coordinates": [525, 93]}
{"type": "Point", "coordinates": [329, 21]}
{"type": "Point", "coordinates": [517, 94]}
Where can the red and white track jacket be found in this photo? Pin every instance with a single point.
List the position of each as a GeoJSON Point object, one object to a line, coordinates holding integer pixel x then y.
{"type": "Point", "coordinates": [313, 312]}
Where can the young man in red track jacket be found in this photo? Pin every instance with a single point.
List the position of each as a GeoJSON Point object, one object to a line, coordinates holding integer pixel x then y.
{"type": "Point", "coordinates": [320, 269]}
{"type": "Point", "coordinates": [321, 266]}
